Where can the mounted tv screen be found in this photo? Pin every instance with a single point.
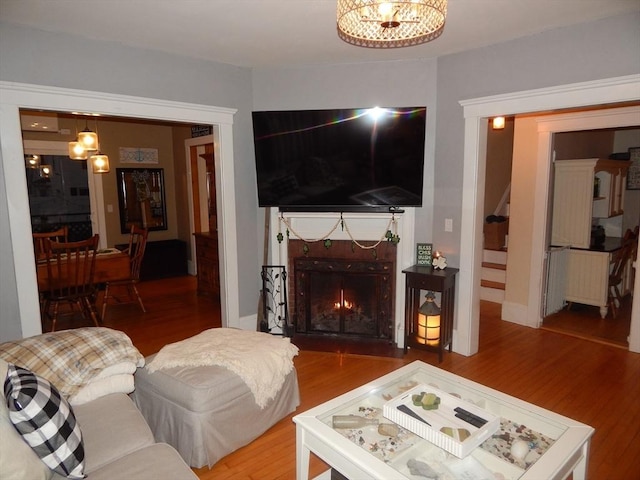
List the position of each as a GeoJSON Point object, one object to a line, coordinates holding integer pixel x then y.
{"type": "Point", "coordinates": [340, 160]}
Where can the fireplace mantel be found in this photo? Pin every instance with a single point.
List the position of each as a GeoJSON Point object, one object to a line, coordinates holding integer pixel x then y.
{"type": "Point", "coordinates": [367, 228]}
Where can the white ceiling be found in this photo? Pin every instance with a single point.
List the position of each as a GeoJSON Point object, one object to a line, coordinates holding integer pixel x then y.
{"type": "Point", "coordinates": [264, 33]}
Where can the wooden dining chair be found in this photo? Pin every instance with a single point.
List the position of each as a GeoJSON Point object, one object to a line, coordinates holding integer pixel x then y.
{"type": "Point", "coordinates": [137, 246]}
{"type": "Point", "coordinates": [39, 238]}
{"type": "Point", "coordinates": [70, 270]}
{"type": "Point", "coordinates": [619, 260]}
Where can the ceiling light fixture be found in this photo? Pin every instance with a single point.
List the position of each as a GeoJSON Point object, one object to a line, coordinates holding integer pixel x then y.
{"type": "Point", "coordinates": [99, 161]}
{"type": "Point", "coordinates": [498, 123]}
{"type": "Point", "coordinates": [87, 141]}
{"type": "Point", "coordinates": [390, 24]}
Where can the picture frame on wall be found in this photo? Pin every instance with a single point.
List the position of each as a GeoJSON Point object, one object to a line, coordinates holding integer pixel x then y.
{"type": "Point", "coordinates": [633, 175]}
{"type": "Point", "coordinates": [424, 254]}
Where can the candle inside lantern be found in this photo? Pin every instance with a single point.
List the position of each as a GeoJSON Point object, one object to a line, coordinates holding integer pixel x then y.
{"type": "Point", "coordinates": [428, 331]}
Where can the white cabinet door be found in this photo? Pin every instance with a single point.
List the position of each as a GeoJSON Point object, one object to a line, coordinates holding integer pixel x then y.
{"type": "Point", "coordinates": [572, 203]}
{"type": "Point", "coordinates": [588, 278]}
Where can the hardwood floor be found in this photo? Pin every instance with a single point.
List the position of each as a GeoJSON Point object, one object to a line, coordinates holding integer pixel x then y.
{"type": "Point", "coordinates": [590, 382]}
{"type": "Point", "coordinates": [584, 321]}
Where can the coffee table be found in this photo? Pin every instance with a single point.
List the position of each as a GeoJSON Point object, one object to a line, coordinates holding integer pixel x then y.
{"type": "Point", "coordinates": [555, 445]}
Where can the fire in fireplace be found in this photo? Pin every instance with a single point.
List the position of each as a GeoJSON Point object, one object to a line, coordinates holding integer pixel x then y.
{"type": "Point", "coordinates": [343, 296]}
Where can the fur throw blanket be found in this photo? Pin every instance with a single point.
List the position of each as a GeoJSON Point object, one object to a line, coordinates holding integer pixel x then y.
{"type": "Point", "coordinates": [260, 359]}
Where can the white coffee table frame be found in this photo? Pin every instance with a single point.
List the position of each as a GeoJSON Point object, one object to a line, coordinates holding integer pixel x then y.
{"type": "Point", "coordinates": [568, 454]}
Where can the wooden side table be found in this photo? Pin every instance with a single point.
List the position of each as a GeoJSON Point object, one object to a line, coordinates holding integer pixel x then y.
{"type": "Point", "coordinates": [426, 278]}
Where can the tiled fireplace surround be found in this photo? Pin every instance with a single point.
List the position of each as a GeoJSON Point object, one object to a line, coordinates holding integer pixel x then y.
{"type": "Point", "coordinates": [367, 229]}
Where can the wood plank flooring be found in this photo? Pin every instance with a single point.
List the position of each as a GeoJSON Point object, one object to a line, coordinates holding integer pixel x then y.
{"type": "Point", "coordinates": [590, 382]}
{"type": "Point", "coordinates": [584, 321]}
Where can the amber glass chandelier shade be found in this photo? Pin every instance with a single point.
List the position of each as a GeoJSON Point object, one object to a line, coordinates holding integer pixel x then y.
{"type": "Point", "coordinates": [99, 163]}
{"type": "Point", "coordinates": [88, 139]}
{"type": "Point", "coordinates": [390, 24]}
{"type": "Point", "coordinates": [77, 151]}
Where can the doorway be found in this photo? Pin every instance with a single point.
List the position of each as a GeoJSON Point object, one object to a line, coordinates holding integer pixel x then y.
{"type": "Point", "coordinates": [13, 96]}
{"type": "Point", "coordinates": [573, 142]}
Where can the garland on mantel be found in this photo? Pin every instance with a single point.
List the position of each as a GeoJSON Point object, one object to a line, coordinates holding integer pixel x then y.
{"type": "Point", "coordinates": [388, 235]}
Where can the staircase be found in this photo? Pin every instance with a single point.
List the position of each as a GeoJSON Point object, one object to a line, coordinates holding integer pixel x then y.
{"type": "Point", "coordinates": [494, 275]}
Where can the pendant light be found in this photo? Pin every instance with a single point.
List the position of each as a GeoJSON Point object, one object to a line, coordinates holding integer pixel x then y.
{"type": "Point", "coordinates": [88, 139]}
{"type": "Point", "coordinates": [76, 150]}
{"type": "Point", "coordinates": [99, 161]}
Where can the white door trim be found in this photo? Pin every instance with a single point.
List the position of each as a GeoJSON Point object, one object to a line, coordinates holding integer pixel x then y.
{"type": "Point", "coordinates": [14, 96]}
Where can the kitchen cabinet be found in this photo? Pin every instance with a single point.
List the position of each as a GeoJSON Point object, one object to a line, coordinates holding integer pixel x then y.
{"type": "Point", "coordinates": [588, 275]}
{"type": "Point", "coordinates": [586, 190]}
{"type": "Point", "coordinates": [583, 190]}
{"type": "Point", "coordinates": [207, 263]}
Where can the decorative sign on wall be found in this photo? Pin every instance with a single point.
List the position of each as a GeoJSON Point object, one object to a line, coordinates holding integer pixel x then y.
{"type": "Point", "coordinates": [424, 254]}
{"type": "Point", "coordinates": [201, 130]}
{"type": "Point", "coordinates": [138, 155]}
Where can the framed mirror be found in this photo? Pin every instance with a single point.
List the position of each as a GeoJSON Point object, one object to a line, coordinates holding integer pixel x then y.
{"type": "Point", "coordinates": [141, 198]}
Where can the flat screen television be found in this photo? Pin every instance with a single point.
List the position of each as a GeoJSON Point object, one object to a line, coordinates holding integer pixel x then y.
{"type": "Point", "coordinates": [340, 160]}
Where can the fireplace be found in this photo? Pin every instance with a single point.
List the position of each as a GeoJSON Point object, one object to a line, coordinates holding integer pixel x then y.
{"type": "Point", "coordinates": [342, 291]}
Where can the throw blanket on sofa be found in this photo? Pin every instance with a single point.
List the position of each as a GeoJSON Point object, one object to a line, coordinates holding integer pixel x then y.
{"type": "Point", "coordinates": [73, 359]}
{"type": "Point", "coordinates": [260, 359]}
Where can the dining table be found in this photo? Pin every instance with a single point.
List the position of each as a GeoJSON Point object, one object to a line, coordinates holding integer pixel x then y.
{"type": "Point", "coordinates": [111, 264]}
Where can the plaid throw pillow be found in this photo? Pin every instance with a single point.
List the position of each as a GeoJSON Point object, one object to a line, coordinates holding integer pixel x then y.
{"type": "Point", "coordinates": [45, 421]}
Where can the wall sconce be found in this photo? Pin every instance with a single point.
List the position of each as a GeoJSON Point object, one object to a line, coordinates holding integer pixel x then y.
{"type": "Point", "coordinates": [428, 332]}
{"type": "Point", "coordinates": [497, 123]}
{"type": "Point", "coordinates": [32, 161]}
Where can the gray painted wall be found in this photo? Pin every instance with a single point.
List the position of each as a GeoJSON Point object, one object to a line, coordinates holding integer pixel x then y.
{"type": "Point", "coordinates": [597, 50]}
{"type": "Point", "coordinates": [44, 58]}
{"type": "Point", "coordinates": [602, 49]}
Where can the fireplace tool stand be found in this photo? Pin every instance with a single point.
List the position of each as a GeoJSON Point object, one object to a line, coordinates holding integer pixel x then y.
{"type": "Point", "coordinates": [275, 314]}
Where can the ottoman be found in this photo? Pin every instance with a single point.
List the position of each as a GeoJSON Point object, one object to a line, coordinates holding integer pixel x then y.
{"type": "Point", "coordinates": [207, 412]}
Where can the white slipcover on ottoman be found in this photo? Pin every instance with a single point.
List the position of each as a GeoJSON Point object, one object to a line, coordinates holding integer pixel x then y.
{"type": "Point", "coordinates": [208, 411]}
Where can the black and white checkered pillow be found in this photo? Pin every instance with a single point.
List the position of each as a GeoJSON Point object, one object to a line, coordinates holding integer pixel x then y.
{"type": "Point", "coordinates": [45, 420]}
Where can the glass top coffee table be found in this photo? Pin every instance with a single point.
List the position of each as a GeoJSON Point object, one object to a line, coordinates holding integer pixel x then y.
{"type": "Point", "coordinates": [531, 443]}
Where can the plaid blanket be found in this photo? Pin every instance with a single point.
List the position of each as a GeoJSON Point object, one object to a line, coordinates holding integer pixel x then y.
{"type": "Point", "coordinates": [71, 358]}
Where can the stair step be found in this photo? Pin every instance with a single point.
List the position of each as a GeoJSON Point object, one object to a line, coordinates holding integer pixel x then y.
{"type": "Point", "coordinates": [496, 266]}
{"type": "Point", "coordinates": [493, 275]}
{"type": "Point", "coordinates": [491, 284]}
{"type": "Point", "coordinates": [494, 256]}
{"type": "Point", "coordinates": [492, 295]}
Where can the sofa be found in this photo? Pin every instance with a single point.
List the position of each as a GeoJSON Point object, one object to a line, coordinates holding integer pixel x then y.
{"type": "Point", "coordinates": [102, 436]}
